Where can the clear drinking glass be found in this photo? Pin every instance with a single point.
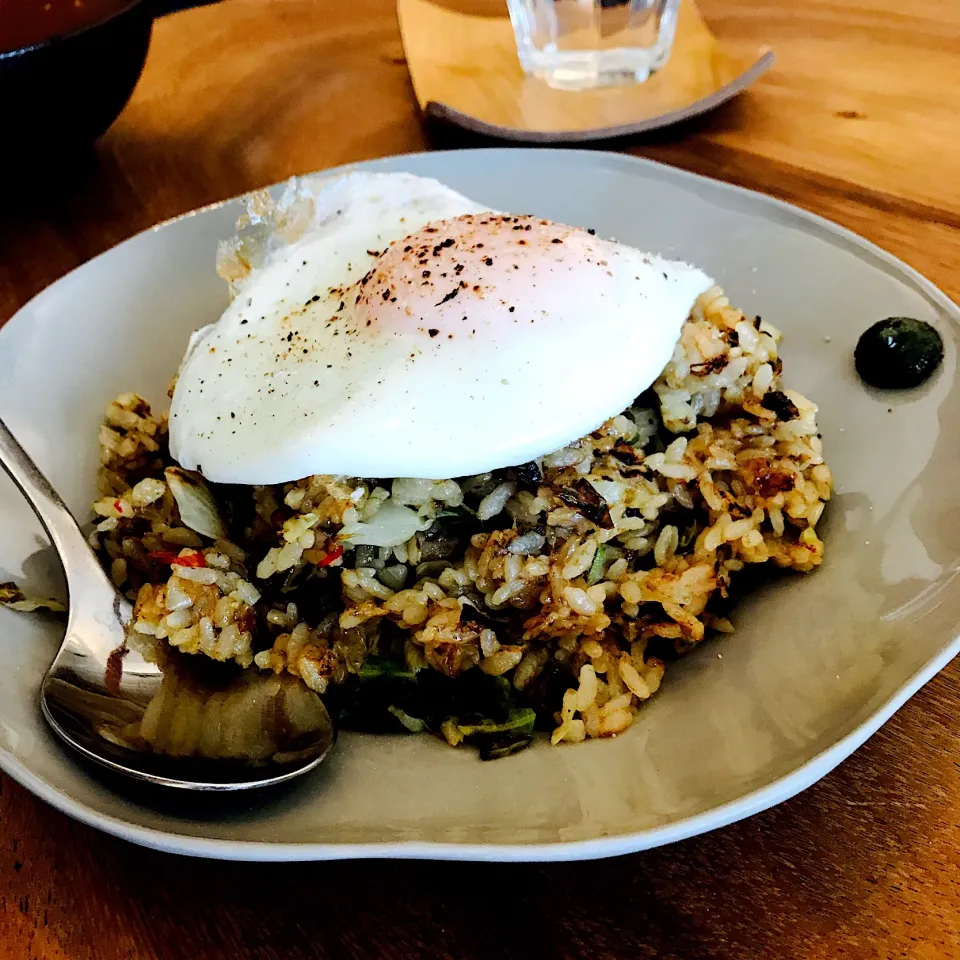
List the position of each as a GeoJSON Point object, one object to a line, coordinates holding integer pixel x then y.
{"type": "Point", "coordinates": [577, 44]}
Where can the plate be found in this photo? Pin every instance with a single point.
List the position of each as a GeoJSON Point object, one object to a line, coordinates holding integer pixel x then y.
{"type": "Point", "coordinates": [817, 664]}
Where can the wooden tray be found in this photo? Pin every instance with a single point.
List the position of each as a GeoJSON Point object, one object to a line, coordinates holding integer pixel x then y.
{"type": "Point", "coordinates": [464, 67]}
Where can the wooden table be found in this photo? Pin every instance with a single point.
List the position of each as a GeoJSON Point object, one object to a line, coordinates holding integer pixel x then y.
{"type": "Point", "coordinates": [858, 121]}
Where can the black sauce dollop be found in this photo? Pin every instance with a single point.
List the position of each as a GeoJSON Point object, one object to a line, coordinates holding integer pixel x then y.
{"type": "Point", "coordinates": [898, 353]}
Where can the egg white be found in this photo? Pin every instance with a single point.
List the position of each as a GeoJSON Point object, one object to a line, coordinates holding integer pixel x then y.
{"type": "Point", "coordinates": [409, 332]}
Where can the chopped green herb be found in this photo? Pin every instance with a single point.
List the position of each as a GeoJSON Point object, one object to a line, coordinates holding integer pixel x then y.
{"type": "Point", "coordinates": [497, 749]}
{"type": "Point", "coordinates": [520, 720]}
{"type": "Point", "coordinates": [377, 667]}
{"type": "Point", "coordinates": [413, 724]}
{"type": "Point", "coordinates": [688, 536]}
{"type": "Point", "coordinates": [388, 696]}
{"type": "Point", "coordinates": [596, 572]}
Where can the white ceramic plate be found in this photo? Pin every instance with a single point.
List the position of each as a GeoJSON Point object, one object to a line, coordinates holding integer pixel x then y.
{"type": "Point", "coordinates": [818, 662]}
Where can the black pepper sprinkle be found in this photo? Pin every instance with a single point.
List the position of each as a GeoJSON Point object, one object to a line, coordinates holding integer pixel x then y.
{"type": "Point", "coordinates": [512, 309]}
{"type": "Point", "coordinates": [242, 322]}
{"type": "Point", "coordinates": [489, 261]}
{"type": "Point", "coordinates": [556, 240]}
{"type": "Point", "coordinates": [592, 233]}
{"type": "Point", "coordinates": [233, 416]}
{"type": "Point", "coordinates": [426, 273]}
{"type": "Point", "coordinates": [433, 331]}
{"type": "Point", "coordinates": [449, 296]}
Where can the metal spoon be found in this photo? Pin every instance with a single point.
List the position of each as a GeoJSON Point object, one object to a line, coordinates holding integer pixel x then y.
{"type": "Point", "coordinates": [97, 685]}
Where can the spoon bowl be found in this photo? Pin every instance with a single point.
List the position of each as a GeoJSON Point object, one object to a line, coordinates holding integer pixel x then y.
{"type": "Point", "coordinates": [97, 693]}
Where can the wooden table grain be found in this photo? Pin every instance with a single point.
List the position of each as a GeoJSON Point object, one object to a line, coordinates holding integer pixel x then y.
{"type": "Point", "coordinates": [858, 121]}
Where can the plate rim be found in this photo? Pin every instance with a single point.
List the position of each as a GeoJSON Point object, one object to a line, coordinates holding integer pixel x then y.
{"type": "Point", "coordinates": [750, 803]}
{"type": "Point", "coordinates": [265, 851]}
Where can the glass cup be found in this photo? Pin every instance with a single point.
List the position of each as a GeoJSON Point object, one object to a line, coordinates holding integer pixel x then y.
{"type": "Point", "coordinates": [578, 44]}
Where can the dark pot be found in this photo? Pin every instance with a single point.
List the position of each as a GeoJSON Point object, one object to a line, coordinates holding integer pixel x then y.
{"type": "Point", "coordinates": [61, 94]}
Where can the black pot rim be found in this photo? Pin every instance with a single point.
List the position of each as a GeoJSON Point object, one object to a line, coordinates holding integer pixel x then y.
{"type": "Point", "coordinates": [63, 37]}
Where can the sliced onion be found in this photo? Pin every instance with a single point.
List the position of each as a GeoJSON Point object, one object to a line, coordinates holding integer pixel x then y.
{"type": "Point", "coordinates": [390, 526]}
{"type": "Point", "coordinates": [198, 509]}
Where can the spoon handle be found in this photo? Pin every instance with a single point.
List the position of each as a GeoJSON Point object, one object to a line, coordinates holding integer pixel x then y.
{"type": "Point", "coordinates": [75, 553]}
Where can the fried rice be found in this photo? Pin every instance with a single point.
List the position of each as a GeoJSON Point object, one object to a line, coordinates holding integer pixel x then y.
{"type": "Point", "coordinates": [550, 594]}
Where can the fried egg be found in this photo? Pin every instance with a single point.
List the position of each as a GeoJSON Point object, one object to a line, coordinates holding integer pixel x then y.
{"type": "Point", "coordinates": [395, 328]}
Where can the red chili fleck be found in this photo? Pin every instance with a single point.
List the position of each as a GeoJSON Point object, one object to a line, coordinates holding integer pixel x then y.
{"type": "Point", "coordinates": [195, 559]}
{"type": "Point", "coordinates": [117, 505]}
{"type": "Point", "coordinates": [335, 554]}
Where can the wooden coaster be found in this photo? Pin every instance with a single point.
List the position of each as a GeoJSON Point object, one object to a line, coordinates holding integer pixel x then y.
{"type": "Point", "coordinates": [464, 69]}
